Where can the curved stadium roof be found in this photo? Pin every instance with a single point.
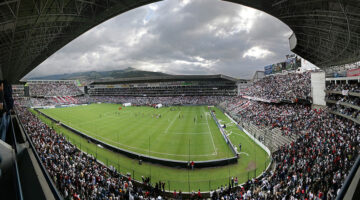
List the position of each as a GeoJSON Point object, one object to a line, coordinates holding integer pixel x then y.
{"type": "Point", "coordinates": [326, 32]}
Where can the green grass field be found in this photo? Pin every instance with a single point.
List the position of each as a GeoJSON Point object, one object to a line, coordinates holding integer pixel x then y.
{"type": "Point", "coordinates": [131, 128]}
{"type": "Point", "coordinates": [181, 133]}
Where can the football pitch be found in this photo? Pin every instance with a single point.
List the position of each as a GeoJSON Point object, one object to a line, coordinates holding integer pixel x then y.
{"type": "Point", "coordinates": [129, 129]}
{"type": "Point", "coordinates": [178, 133]}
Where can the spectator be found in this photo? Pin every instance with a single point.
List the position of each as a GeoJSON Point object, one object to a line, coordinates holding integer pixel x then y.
{"type": "Point", "coordinates": [276, 88]}
{"type": "Point", "coordinates": [6, 105]}
{"type": "Point", "coordinates": [314, 166]}
{"type": "Point", "coordinates": [47, 89]}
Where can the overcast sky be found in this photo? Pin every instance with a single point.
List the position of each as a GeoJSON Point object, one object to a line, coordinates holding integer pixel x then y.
{"type": "Point", "coordinates": [178, 37]}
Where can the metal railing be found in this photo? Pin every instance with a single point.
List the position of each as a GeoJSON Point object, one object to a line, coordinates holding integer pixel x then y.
{"type": "Point", "coordinates": [348, 180]}
{"type": "Point", "coordinates": [17, 182]}
{"type": "Point", "coordinates": [49, 181]}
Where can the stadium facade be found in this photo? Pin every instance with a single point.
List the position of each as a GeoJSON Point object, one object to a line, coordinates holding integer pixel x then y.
{"type": "Point", "coordinates": [177, 85]}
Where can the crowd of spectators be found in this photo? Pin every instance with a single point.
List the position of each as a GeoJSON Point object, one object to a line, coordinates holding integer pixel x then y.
{"type": "Point", "coordinates": [344, 108]}
{"type": "Point", "coordinates": [46, 101]}
{"type": "Point", "coordinates": [289, 87]}
{"type": "Point", "coordinates": [76, 174]}
{"type": "Point", "coordinates": [22, 101]}
{"type": "Point", "coordinates": [312, 167]}
{"type": "Point", "coordinates": [353, 100]}
{"type": "Point", "coordinates": [54, 89]}
{"type": "Point", "coordinates": [351, 87]}
{"type": "Point", "coordinates": [344, 98]}
{"type": "Point", "coordinates": [176, 100]}
{"type": "Point", "coordinates": [316, 164]}
{"type": "Point", "coordinates": [290, 118]}
{"type": "Point", "coordinates": [351, 112]}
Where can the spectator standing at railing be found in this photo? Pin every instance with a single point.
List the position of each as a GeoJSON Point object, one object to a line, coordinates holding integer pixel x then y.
{"type": "Point", "coordinates": [7, 99]}
{"type": "Point", "coordinates": [1, 97]}
{"type": "Point", "coordinates": [6, 105]}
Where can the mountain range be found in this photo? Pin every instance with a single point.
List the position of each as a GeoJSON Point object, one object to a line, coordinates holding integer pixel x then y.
{"type": "Point", "coordinates": [101, 75]}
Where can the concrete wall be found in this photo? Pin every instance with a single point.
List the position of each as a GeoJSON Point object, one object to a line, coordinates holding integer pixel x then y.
{"type": "Point", "coordinates": [292, 41]}
{"type": "Point", "coordinates": [318, 88]}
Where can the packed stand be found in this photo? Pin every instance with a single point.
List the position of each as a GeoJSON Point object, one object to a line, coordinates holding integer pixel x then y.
{"type": "Point", "coordinates": [177, 100]}
{"type": "Point", "coordinates": [290, 118]}
{"type": "Point", "coordinates": [76, 174]}
{"type": "Point", "coordinates": [353, 100]}
{"type": "Point", "coordinates": [347, 98]}
{"type": "Point", "coordinates": [348, 111]}
{"type": "Point", "coordinates": [350, 87]}
{"type": "Point", "coordinates": [277, 88]}
{"type": "Point", "coordinates": [312, 167]}
{"type": "Point", "coordinates": [22, 101]}
{"type": "Point", "coordinates": [54, 89]}
{"type": "Point", "coordinates": [315, 165]}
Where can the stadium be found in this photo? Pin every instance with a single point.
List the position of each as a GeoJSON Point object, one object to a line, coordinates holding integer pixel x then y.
{"type": "Point", "coordinates": [288, 133]}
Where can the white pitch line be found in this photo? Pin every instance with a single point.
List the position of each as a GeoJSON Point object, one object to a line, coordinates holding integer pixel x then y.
{"type": "Point", "coordinates": [230, 124]}
{"type": "Point", "coordinates": [166, 131]}
{"type": "Point", "coordinates": [212, 139]}
{"type": "Point", "coordinates": [239, 134]}
{"type": "Point", "coordinates": [244, 153]}
{"type": "Point", "coordinates": [203, 133]}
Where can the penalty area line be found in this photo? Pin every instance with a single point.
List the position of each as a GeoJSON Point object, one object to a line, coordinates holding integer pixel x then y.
{"type": "Point", "coordinates": [171, 123]}
{"type": "Point", "coordinates": [244, 153]}
{"type": "Point", "coordinates": [212, 139]}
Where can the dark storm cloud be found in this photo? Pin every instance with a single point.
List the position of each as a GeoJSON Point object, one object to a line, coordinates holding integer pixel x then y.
{"type": "Point", "coordinates": [178, 37]}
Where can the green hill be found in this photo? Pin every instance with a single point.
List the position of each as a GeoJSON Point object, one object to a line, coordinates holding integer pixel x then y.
{"type": "Point", "coordinates": [101, 75]}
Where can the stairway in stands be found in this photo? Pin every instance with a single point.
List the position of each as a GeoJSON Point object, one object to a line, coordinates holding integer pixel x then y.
{"type": "Point", "coordinates": [56, 100]}
{"type": "Point", "coordinates": [62, 101]}
{"type": "Point", "coordinates": [272, 138]}
{"type": "Point", "coordinates": [73, 101]}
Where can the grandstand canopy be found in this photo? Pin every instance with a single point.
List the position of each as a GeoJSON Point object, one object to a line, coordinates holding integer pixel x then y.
{"type": "Point", "coordinates": [169, 78]}
{"type": "Point", "coordinates": [326, 32]}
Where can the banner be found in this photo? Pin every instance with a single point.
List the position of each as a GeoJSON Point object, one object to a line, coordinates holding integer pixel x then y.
{"type": "Point", "coordinates": [292, 63]}
{"type": "Point", "coordinates": [259, 99]}
{"type": "Point", "coordinates": [353, 72]}
{"type": "Point", "coordinates": [268, 70]}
